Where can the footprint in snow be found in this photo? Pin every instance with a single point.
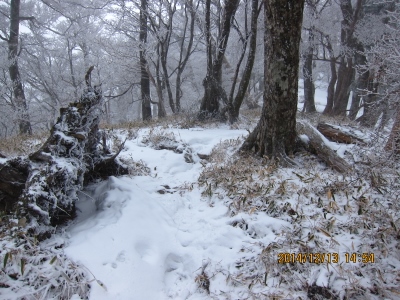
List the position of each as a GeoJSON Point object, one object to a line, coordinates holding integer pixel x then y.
{"type": "Point", "coordinates": [121, 256]}
{"type": "Point", "coordinates": [172, 262]}
{"type": "Point", "coordinates": [145, 252]}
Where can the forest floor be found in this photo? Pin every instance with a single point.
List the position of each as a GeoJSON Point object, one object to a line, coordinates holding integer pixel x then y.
{"type": "Point", "coordinates": [194, 220]}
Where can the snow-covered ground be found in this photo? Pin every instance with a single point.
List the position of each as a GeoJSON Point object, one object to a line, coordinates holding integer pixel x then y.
{"type": "Point", "coordinates": [213, 228]}
{"type": "Point", "coordinates": [151, 237]}
{"type": "Point", "coordinates": [145, 238]}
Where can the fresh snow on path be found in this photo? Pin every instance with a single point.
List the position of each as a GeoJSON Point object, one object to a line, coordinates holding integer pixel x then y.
{"type": "Point", "coordinates": [145, 245]}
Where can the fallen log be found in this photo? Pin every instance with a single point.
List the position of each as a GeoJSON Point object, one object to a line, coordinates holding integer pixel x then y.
{"type": "Point", "coordinates": [336, 135]}
{"type": "Point", "coordinates": [42, 189]}
{"type": "Point", "coordinates": [323, 151]}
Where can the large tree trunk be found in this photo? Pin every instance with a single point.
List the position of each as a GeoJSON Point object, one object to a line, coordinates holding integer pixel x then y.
{"type": "Point", "coordinates": [346, 70]}
{"type": "Point", "coordinates": [275, 133]}
{"type": "Point", "coordinates": [44, 186]}
{"type": "Point", "coordinates": [144, 77]}
{"type": "Point", "coordinates": [342, 92]}
{"type": "Point", "coordinates": [213, 91]}
{"type": "Point", "coordinates": [372, 107]}
{"type": "Point", "coordinates": [18, 90]}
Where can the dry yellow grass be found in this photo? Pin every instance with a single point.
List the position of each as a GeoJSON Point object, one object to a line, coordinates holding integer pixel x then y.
{"type": "Point", "coordinates": [21, 144]}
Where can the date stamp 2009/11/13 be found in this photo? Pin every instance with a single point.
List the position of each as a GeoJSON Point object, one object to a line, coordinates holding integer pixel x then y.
{"type": "Point", "coordinates": [321, 258]}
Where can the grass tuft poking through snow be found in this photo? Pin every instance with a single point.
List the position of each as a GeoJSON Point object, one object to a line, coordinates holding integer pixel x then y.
{"type": "Point", "coordinates": [39, 271]}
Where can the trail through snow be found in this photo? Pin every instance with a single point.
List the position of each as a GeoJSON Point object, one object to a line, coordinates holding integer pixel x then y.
{"type": "Point", "coordinates": [145, 245]}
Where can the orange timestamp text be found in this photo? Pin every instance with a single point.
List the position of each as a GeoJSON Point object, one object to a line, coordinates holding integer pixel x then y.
{"type": "Point", "coordinates": [321, 258]}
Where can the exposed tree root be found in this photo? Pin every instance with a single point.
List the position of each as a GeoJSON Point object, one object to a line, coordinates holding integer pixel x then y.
{"type": "Point", "coordinates": [43, 188]}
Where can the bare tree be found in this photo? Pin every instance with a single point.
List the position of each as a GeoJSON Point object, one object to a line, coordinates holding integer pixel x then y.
{"type": "Point", "coordinates": [313, 9]}
{"type": "Point", "coordinates": [166, 34]}
{"type": "Point", "coordinates": [275, 133]}
{"type": "Point", "coordinates": [19, 100]}
{"type": "Point", "coordinates": [144, 76]}
{"type": "Point", "coordinates": [346, 71]}
{"type": "Point", "coordinates": [213, 91]}
{"type": "Point", "coordinates": [235, 102]}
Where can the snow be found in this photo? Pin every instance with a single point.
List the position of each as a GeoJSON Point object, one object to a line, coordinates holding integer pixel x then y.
{"type": "Point", "coordinates": [143, 244]}
{"type": "Point", "coordinates": [151, 237]}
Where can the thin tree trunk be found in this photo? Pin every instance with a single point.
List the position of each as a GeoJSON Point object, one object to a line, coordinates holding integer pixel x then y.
{"type": "Point", "coordinates": [309, 88]}
{"type": "Point", "coordinates": [164, 58]}
{"type": "Point", "coordinates": [18, 90]}
{"type": "Point", "coordinates": [275, 133]}
{"type": "Point", "coordinates": [71, 69]}
{"type": "Point", "coordinates": [183, 59]}
{"type": "Point", "coordinates": [332, 81]}
{"type": "Point", "coordinates": [144, 77]}
{"type": "Point", "coordinates": [161, 113]}
{"type": "Point", "coordinates": [159, 87]}
{"type": "Point", "coordinates": [360, 90]}
{"type": "Point", "coordinates": [244, 82]}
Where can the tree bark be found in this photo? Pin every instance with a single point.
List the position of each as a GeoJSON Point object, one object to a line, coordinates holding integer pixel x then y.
{"type": "Point", "coordinates": [144, 77]}
{"type": "Point", "coordinates": [18, 90]}
{"type": "Point", "coordinates": [275, 133]}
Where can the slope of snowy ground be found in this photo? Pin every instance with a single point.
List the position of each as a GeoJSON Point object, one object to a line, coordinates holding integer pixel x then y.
{"type": "Point", "coordinates": [143, 244]}
{"type": "Point", "coordinates": [162, 236]}
{"type": "Point", "coordinates": [215, 229]}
